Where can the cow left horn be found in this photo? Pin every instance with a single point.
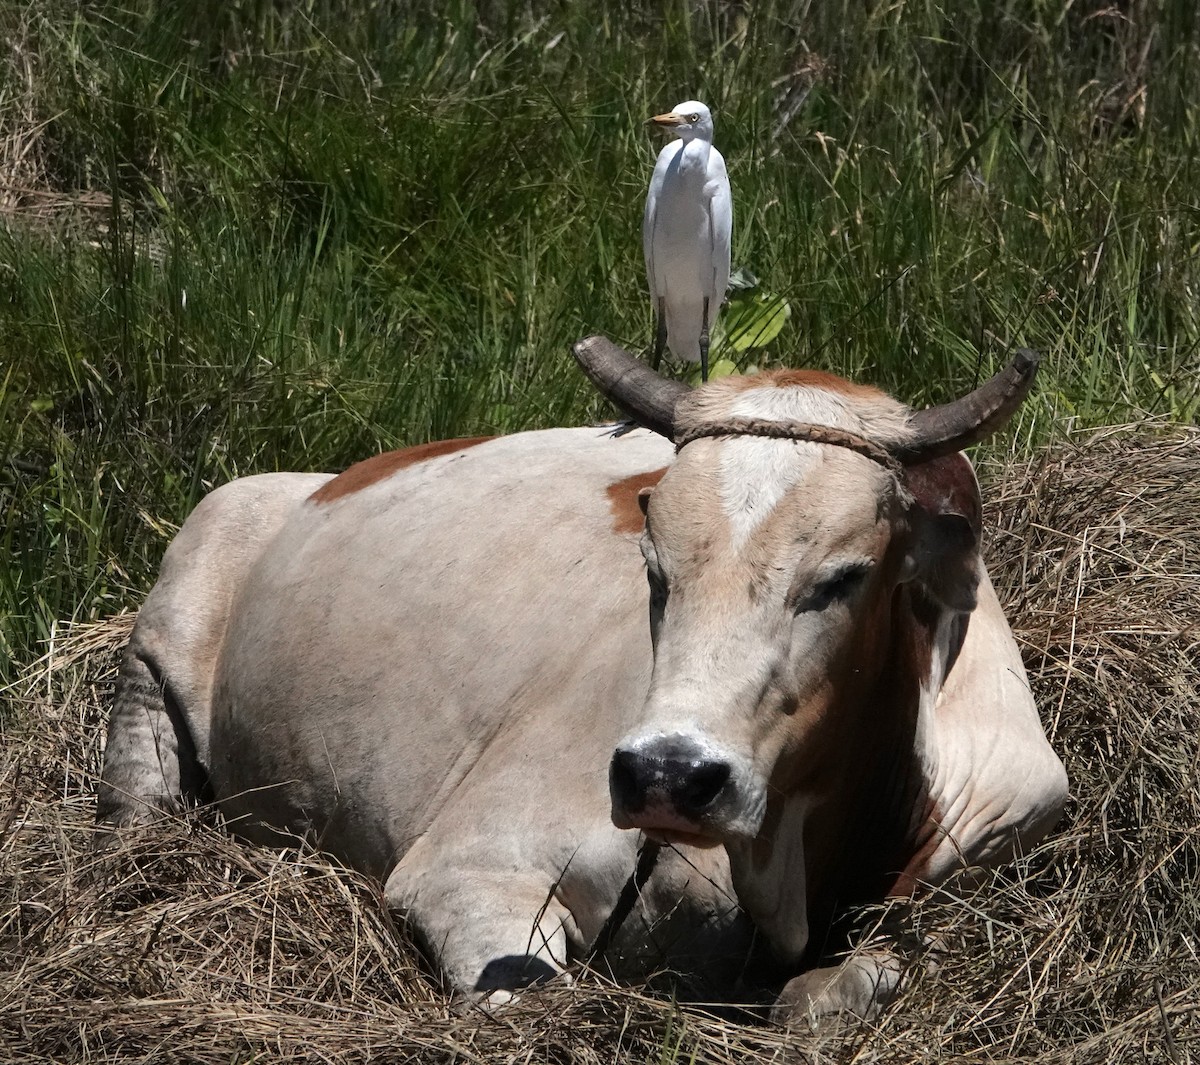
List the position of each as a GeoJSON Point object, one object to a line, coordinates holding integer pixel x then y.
{"type": "Point", "coordinates": [647, 397]}
{"type": "Point", "coordinates": [943, 430]}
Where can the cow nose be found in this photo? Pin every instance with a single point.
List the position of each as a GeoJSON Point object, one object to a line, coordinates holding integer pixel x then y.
{"type": "Point", "coordinates": [691, 784]}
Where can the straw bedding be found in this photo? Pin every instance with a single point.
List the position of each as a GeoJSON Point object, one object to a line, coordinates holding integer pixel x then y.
{"type": "Point", "coordinates": [186, 946]}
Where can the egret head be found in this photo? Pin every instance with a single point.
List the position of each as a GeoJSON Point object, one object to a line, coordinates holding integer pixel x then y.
{"type": "Point", "coordinates": [687, 121]}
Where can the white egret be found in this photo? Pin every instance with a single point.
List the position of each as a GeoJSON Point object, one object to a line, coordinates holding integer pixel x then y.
{"type": "Point", "coordinates": [686, 234]}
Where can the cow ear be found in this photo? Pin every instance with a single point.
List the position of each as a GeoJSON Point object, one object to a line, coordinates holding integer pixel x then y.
{"type": "Point", "coordinates": [644, 498]}
{"type": "Point", "coordinates": [946, 521]}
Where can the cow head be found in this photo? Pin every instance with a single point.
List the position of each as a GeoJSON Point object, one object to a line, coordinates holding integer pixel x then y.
{"type": "Point", "coordinates": [799, 508]}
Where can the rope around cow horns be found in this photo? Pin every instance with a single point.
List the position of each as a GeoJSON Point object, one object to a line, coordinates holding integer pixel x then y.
{"type": "Point", "coordinates": [816, 434]}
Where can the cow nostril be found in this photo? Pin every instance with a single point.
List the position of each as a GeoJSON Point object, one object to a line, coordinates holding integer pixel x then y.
{"type": "Point", "coordinates": [704, 783]}
{"type": "Point", "coordinates": [623, 780]}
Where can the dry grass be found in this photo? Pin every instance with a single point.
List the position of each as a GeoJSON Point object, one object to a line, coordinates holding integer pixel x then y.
{"type": "Point", "coordinates": [188, 947]}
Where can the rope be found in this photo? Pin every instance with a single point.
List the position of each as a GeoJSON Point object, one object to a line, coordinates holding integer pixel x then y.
{"type": "Point", "coordinates": [647, 858]}
{"type": "Point", "coordinates": [816, 434]}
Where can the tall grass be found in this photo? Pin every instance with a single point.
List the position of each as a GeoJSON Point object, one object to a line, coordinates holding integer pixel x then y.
{"type": "Point", "coordinates": [246, 236]}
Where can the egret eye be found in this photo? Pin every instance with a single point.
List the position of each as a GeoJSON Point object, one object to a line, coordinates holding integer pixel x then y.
{"type": "Point", "coordinates": [693, 118]}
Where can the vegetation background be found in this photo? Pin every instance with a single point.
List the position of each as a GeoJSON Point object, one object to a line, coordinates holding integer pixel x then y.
{"type": "Point", "coordinates": [241, 235]}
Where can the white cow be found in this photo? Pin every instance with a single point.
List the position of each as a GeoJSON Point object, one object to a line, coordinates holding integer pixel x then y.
{"type": "Point", "coordinates": [426, 665]}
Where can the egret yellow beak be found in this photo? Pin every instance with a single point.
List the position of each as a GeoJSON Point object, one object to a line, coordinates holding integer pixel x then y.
{"type": "Point", "coordinates": [668, 120]}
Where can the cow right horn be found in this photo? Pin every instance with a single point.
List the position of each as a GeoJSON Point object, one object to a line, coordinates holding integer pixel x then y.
{"type": "Point", "coordinates": [943, 430]}
{"type": "Point", "coordinates": [647, 397]}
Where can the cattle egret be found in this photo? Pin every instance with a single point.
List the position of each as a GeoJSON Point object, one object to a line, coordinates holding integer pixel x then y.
{"type": "Point", "coordinates": [686, 235]}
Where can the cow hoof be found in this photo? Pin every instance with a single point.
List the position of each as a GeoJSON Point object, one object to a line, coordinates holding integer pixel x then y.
{"type": "Point", "coordinates": [505, 979]}
{"type": "Point", "coordinates": [513, 972]}
{"type": "Point", "coordinates": [115, 814]}
{"type": "Point", "coordinates": [494, 1000]}
{"type": "Point", "coordinates": [821, 998]}
{"type": "Point", "coordinates": [804, 1002]}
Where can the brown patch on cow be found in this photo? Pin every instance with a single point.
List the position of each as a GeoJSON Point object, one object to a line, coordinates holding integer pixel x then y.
{"type": "Point", "coordinates": [874, 830]}
{"type": "Point", "coordinates": [819, 379]}
{"type": "Point", "coordinates": [370, 471]}
{"type": "Point", "coordinates": [948, 526]}
{"type": "Point", "coordinates": [930, 833]}
{"type": "Point", "coordinates": [947, 486]}
{"type": "Point", "coordinates": [927, 832]}
{"type": "Point", "coordinates": [623, 500]}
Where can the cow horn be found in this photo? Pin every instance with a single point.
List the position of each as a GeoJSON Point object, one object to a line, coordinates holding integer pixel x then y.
{"type": "Point", "coordinates": [647, 397]}
{"type": "Point", "coordinates": [943, 430]}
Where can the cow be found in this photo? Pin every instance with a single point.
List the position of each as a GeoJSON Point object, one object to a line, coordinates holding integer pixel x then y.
{"type": "Point", "coordinates": [436, 667]}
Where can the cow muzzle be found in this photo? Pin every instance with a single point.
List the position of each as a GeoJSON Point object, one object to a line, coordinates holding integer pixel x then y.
{"type": "Point", "coordinates": [675, 791]}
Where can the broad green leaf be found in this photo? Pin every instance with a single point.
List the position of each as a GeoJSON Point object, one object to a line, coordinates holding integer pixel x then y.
{"type": "Point", "coordinates": [719, 368]}
{"type": "Point", "coordinates": [753, 320]}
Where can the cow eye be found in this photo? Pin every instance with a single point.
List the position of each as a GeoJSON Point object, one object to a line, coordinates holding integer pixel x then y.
{"type": "Point", "coordinates": [837, 586]}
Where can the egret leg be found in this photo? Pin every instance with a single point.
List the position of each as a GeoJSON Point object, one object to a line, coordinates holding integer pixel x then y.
{"type": "Point", "coordinates": [704, 343]}
{"type": "Point", "coordinates": [660, 332]}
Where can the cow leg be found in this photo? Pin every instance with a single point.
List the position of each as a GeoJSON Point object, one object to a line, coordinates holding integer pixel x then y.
{"type": "Point", "coordinates": [150, 763]}
{"type": "Point", "coordinates": [864, 982]}
{"type": "Point", "coordinates": [489, 934]}
{"type": "Point", "coordinates": [158, 729]}
{"type": "Point", "coordinates": [861, 986]}
{"type": "Point", "coordinates": [660, 333]}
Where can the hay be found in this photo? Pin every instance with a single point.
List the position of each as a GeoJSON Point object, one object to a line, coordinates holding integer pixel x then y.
{"type": "Point", "coordinates": [186, 946]}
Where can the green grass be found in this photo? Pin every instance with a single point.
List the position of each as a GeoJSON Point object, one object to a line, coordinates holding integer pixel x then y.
{"type": "Point", "coordinates": [327, 228]}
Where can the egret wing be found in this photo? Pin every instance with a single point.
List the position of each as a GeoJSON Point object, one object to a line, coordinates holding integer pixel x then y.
{"type": "Point", "coordinates": [650, 217]}
{"type": "Point", "coordinates": [720, 213]}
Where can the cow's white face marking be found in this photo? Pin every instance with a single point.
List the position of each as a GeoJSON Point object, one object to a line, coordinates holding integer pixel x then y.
{"type": "Point", "coordinates": [752, 484]}
{"type": "Point", "coordinates": [753, 479]}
